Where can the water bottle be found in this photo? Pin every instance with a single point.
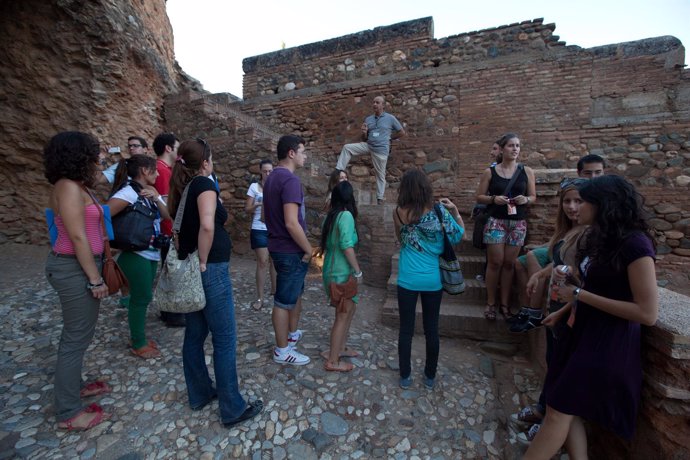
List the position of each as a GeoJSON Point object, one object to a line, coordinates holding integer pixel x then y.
{"type": "Point", "coordinates": [562, 269]}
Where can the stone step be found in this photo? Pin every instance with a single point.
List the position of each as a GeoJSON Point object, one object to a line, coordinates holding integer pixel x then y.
{"type": "Point", "coordinates": [475, 291]}
{"type": "Point", "coordinates": [458, 320]}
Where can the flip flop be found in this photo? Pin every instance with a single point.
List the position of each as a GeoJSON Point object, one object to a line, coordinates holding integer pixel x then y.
{"type": "Point", "coordinates": [94, 389]}
{"type": "Point", "coordinates": [347, 353]}
{"type": "Point", "coordinates": [490, 312]}
{"type": "Point", "coordinates": [146, 352]}
{"type": "Point", "coordinates": [257, 304]}
{"type": "Point", "coordinates": [97, 420]}
{"type": "Point", "coordinates": [341, 367]}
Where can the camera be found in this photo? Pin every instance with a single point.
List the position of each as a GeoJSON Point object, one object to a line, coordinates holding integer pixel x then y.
{"type": "Point", "coordinates": [113, 150]}
{"type": "Point", "coordinates": [160, 241]}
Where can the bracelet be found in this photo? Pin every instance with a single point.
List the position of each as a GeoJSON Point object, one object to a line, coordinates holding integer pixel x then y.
{"type": "Point", "coordinates": [91, 285]}
{"type": "Point", "coordinates": [493, 199]}
{"type": "Point", "coordinates": [357, 274]}
{"type": "Point", "coordinates": [160, 198]}
{"type": "Point", "coordinates": [527, 200]}
{"type": "Point", "coordinates": [576, 292]}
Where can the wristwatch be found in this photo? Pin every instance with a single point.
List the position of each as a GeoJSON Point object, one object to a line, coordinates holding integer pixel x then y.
{"type": "Point", "coordinates": [576, 292]}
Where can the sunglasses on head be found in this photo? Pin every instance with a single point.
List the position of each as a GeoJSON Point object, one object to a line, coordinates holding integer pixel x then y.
{"type": "Point", "coordinates": [572, 182]}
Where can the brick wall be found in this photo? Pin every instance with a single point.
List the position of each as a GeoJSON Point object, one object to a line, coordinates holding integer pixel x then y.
{"type": "Point", "coordinates": [628, 102]}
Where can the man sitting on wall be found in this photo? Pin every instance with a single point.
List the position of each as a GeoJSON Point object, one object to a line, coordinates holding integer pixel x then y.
{"type": "Point", "coordinates": [377, 132]}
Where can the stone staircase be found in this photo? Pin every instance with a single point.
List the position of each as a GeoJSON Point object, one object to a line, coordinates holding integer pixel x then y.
{"type": "Point", "coordinates": [461, 315]}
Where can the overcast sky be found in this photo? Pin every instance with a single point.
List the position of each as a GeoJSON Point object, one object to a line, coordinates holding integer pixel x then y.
{"type": "Point", "coordinates": [213, 36]}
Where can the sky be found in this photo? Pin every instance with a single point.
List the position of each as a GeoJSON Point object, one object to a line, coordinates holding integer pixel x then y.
{"type": "Point", "coordinates": [212, 37]}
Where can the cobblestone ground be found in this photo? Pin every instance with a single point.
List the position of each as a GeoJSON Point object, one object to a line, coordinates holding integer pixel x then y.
{"type": "Point", "coordinates": [309, 413]}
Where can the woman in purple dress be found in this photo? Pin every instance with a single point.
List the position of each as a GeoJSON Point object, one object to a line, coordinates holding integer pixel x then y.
{"type": "Point", "coordinates": [596, 372]}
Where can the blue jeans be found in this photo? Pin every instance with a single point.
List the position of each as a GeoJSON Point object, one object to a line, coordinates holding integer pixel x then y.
{"type": "Point", "coordinates": [290, 273]}
{"type": "Point", "coordinates": [218, 317]}
{"type": "Point", "coordinates": [431, 307]}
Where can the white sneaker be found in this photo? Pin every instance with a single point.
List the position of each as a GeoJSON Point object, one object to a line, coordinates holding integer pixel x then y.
{"type": "Point", "coordinates": [291, 357]}
{"type": "Point", "coordinates": [292, 340]}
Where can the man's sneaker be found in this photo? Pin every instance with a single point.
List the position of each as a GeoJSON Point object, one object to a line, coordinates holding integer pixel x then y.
{"type": "Point", "coordinates": [527, 437]}
{"type": "Point", "coordinates": [521, 317]}
{"type": "Point", "coordinates": [530, 323]}
{"type": "Point", "coordinates": [405, 382]}
{"type": "Point", "coordinates": [291, 356]}
{"type": "Point", "coordinates": [294, 337]}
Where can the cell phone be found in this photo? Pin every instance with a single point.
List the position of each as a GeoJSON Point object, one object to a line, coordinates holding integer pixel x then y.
{"type": "Point", "coordinates": [114, 150]}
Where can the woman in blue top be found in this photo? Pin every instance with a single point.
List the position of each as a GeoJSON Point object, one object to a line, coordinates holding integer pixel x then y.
{"type": "Point", "coordinates": [421, 238]}
{"type": "Point", "coordinates": [139, 266]}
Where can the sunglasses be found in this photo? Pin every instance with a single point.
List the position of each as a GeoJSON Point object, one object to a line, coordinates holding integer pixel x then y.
{"type": "Point", "coordinates": [204, 143]}
{"type": "Point", "coordinates": [572, 182]}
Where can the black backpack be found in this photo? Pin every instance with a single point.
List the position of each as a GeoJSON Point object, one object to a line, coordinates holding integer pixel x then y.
{"type": "Point", "coordinates": [133, 226]}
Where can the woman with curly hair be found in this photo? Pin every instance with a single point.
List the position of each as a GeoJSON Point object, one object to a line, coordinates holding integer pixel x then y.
{"type": "Point", "coordinates": [596, 372]}
{"type": "Point", "coordinates": [420, 232]}
{"type": "Point", "coordinates": [73, 269]}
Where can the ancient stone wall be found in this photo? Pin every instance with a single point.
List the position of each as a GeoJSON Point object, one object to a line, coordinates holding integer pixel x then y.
{"type": "Point", "coordinates": [628, 102]}
{"type": "Point", "coordinates": [103, 67]}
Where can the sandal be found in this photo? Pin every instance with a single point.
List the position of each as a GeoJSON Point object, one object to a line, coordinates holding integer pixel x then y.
{"type": "Point", "coordinates": [346, 353]}
{"type": "Point", "coordinates": [150, 343]}
{"type": "Point", "coordinates": [94, 389]}
{"type": "Point", "coordinates": [340, 367]}
{"type": "Point", "coordinates": [146, 352]}
{"type": "Point", "coordinates": [257, 304]}
{"type": "Point", "coordinates": [490, 312]}
{"type": "Point", "coordinates": [68, 425]}
{"type": "Point", "coordinates": [505, 312]}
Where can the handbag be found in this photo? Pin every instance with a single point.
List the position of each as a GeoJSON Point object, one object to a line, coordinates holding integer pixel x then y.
{"type": "Point", "coordinates": [179, 288]}
{"type": "Point", "coordinates": [482, 216]}
{"type": "Point", "coordinates": [340, 292]}
{"type": "Point", "coordinates": [452, 280]}
{"type": "Point", "coordinates": [112, 274]}
{"type": "Point", "coordinates": [133, 227]}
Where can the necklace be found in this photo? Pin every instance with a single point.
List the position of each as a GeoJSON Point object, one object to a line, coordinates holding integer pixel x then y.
{"type": "Point", "coordinates": [505, 174]}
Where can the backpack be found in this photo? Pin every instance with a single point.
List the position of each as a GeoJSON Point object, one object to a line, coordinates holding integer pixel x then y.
{"type": "Point", "coordinates": [133, 226]}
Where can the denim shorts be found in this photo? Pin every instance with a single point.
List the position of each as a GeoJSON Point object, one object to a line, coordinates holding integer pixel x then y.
{"type": "Point", "coordinates": [290, 271]}
{"type": "Point", "coordinates": [258, 238]}
{"type": "Point", "coordinates": [505, 231]}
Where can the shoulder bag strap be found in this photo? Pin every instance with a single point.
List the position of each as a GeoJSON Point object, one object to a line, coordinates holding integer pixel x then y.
{"type": "Point", "coordinates": [518, 171]}
{"type": "Point", "coordinates": [106, 242]}
{"type": "Point", "coordinates": [439, 214]}
{"type": "Point", "coordinates": [337, 234]}
{"type": "Point", "coordinates": [180, 209]}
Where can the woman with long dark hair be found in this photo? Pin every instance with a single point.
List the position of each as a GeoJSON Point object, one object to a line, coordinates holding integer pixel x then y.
{"type": "Point", "coordinates": [505, 231]}
{"type": "Point", "coordinates": [258, 235]}
{"type": "Point", "coordinates": [73, 269]}
{"type": "Point", "coordinates": [202, 229]}
{"type": "Point", "coordinates": [336, 177]}
{"type": "Point", "coordinates": [134, 179]}
{"type": "Point", "coordinates": [421, 243]}
{"type": "Point", "coordinates": [596, 372]}
{"type": "Point", "coordinates": [338, 241]}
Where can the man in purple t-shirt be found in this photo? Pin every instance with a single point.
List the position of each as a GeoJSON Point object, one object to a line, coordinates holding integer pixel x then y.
{"type": "Point", "coordinates": [289, 247]}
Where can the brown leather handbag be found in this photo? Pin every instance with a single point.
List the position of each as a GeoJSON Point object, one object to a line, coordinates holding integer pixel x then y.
{"type": "Point", "coordinates": [340, 292]}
